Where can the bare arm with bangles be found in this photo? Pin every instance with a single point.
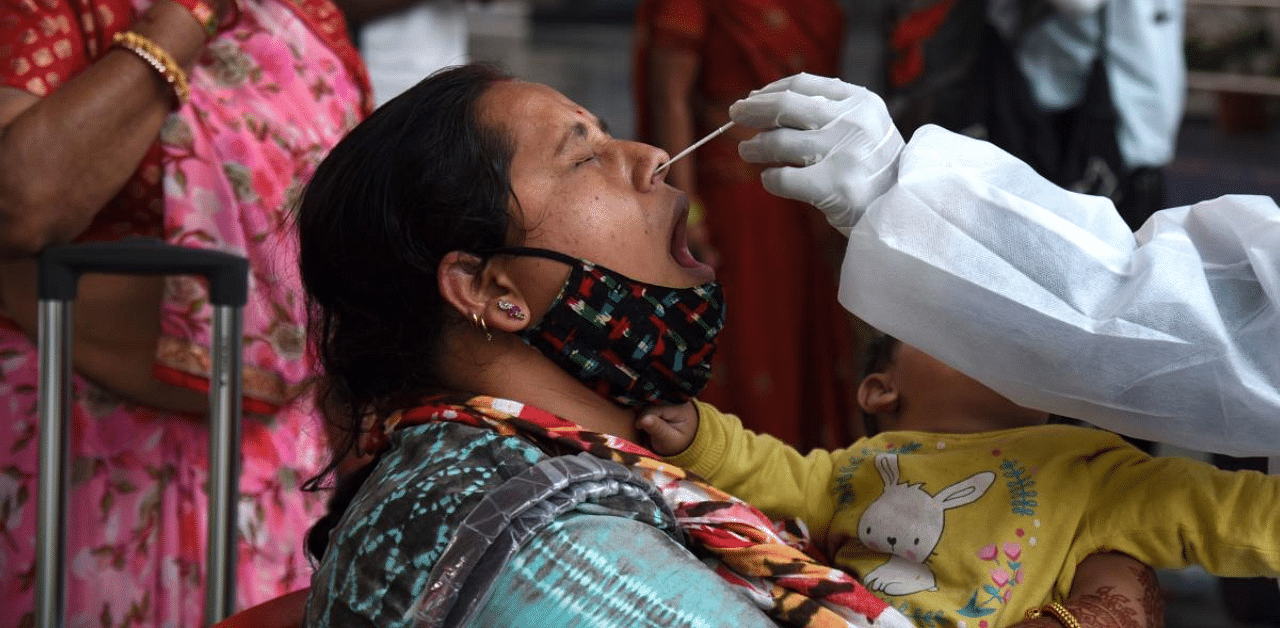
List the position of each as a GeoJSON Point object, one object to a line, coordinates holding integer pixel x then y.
{"type": "Point", "coordinates": [63, 156]}
{"type": "Point", "coordinates": [1110, 591]}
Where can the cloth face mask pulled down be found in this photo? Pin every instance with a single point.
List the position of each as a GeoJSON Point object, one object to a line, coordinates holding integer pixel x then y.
{"type": "Point", "coordinates": [631, 342]}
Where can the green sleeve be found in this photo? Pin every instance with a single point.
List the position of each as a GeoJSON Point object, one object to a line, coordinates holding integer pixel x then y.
{"type": "Point", "coordinates": [763, 470]}
{"type": "Point", "coordinates": [1173, 512]}
{"type": "Point", "coordinates": [607, 572]}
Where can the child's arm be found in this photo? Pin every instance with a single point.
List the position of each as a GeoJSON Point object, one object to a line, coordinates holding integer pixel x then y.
{"type": "Point", "coordinates": [756, 468]}
{"type": "Point", "coordinates": [1171, 512]}
{"type": "Point", "coordinates": [670, 428]}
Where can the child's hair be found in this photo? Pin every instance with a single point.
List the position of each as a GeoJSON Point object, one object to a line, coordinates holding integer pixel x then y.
{"type": "Point", "coordinates": [880, 352]}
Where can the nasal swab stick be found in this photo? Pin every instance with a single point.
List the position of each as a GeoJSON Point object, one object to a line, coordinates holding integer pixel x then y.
{"type": "Point", "coordinates": [695, 145]}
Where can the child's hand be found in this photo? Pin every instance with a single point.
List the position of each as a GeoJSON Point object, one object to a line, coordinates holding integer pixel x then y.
{"type": "Point", "coordinates": [670, 428]}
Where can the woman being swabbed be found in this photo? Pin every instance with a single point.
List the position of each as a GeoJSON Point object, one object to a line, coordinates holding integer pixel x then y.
{"type": "Point", "coordinates": [498, 286]}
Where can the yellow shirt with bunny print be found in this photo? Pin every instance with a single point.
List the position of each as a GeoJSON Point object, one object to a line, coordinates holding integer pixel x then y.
{"type": "Point", "coordinates": [971, 530]}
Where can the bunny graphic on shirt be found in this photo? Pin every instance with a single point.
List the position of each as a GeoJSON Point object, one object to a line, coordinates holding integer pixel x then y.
{"type": "Point", "coordinates": [907, 522]}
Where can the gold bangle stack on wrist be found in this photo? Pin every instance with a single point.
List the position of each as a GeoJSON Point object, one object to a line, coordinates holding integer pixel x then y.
{"type": "Point", "coordinates": [157, 58]}
{"type": "Point", "coordinates": [1056, 611]}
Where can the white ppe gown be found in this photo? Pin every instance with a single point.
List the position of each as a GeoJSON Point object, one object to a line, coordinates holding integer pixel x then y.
{"type": "Point", "coordinates": [1170, 334]}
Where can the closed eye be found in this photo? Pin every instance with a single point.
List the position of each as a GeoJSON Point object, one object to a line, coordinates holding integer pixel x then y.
{"type": "Point", "coordinates": [586, 160]}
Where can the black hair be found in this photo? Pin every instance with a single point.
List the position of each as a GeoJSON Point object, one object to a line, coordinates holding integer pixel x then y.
{"type": "Point", "coordinates": [421, 177]}
{"type": "Point", "coordinates": [880, 354]}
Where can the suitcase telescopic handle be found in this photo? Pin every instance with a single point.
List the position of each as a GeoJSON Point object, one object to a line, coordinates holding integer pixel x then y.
{"type": "Point", "coordinates": [58, 272]}
{"type": "Point", "coordinates": [61, 267]}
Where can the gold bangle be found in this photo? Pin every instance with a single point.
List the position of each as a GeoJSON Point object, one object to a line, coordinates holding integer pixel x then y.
{"type": "Point", "coordinates": [1057, 611]}
{"type": "Point", "coordinates": [158, 59]}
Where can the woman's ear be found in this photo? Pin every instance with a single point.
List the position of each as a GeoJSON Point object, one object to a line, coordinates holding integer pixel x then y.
{"type": "Point", "coordinates": [877, 395]}
{"type": "Point", "coordinates": [459, 277]}
{"type": "Point", "coordinates": [482, 291]}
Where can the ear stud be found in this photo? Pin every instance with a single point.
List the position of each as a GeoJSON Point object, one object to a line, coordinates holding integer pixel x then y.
{"type": "Point", "coordinates": [511, 309]}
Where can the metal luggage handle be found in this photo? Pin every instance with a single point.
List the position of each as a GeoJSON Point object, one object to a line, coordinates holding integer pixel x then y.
{"type": "Point", "coordinates": [61, 267]}
{"type": "Point", "coordinates": [58, 273]}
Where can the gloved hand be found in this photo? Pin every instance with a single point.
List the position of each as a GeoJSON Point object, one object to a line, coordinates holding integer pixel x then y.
{"type": "Point", "coordinates": [837, 144]}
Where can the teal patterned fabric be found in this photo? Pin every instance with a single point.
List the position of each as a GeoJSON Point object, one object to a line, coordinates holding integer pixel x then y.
{"type": "Point", "coordinates": [381, 554]}
{"type": "Point", "coordinates": [587, 570]}
{"type": "Point", "coordinates": [460, 526]}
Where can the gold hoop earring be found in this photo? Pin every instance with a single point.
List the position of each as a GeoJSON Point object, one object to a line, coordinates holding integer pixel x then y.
{"type": "Point", "coordinates": [479, 323]}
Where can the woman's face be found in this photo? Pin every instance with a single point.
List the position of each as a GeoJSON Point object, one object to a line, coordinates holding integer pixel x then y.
{"type": "Point", "coordinates": [589, 195]}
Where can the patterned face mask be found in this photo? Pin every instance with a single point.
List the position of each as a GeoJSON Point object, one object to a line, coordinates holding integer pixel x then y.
{"type": "Point", "coordinates": [631, 342]}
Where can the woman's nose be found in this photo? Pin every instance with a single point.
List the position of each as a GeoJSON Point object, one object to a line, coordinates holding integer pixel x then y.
{"type": "Point", "coordinates": [645, 165]}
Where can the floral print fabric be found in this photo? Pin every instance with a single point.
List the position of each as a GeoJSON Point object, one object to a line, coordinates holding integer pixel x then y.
{"type": "Point", "coordinates": [236, 159]}
{"type": "Point", "coordinates": [136, 518]}
{"type": "Point", "coordinates": [270, 96]}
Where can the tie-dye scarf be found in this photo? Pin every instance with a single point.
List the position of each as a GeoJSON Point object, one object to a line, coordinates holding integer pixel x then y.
{"type": "Point", "coordinates": [774, 564]}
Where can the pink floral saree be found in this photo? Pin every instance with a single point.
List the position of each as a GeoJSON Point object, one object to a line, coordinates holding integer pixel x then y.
{"type": "Point", "coordinates": [270, 96]}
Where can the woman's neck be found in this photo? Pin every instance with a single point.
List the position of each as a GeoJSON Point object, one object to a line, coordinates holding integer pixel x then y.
{"type": "Point", "coordinates": [509, 369]}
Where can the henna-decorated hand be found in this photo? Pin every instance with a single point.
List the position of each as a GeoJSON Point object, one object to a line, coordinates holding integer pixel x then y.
{"type": "Point", "coordinates": [1110, 591]}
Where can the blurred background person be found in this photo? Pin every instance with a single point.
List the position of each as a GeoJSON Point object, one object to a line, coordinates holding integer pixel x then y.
{"type": "Point", "coordinates": [198, 123]}
{"type": "Point", "coordinates": [402, 41]}
{"type": "Point", "coordinates": [1089, 92]}
{"type": "Point", "coordinates": [787, 360]}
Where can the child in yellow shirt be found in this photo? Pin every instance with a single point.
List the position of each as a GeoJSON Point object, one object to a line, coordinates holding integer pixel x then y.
{"type": "Point", "coordinates": [968, 510]}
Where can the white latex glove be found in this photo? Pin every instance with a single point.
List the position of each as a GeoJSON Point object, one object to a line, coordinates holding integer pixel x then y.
{"type": "Point", "coordinates": [837, 144]}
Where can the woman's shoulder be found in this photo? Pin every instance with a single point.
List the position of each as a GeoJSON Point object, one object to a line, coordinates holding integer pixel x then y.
{"type": "Point", "coordinates": [432, 446]}
{"type": "Point", "coordinates": [432, 475]}
{"type": "Point", "coordinates": [441, 467]}
{"type": "Point", "coordinates": [408, 510]}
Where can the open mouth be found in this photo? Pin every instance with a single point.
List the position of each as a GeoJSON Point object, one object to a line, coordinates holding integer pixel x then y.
{"type": "Point", "coordinates": [680, 243]}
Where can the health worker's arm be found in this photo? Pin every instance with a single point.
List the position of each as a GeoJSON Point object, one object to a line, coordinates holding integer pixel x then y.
{"type": "Point", "coordinates": [1044, 295]}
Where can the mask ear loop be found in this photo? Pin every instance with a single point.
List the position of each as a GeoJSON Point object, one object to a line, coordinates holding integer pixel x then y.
{"type": "Point", "coordinates": [479, 323]}
{"type": "Point", "coordinates": [529, 251]}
